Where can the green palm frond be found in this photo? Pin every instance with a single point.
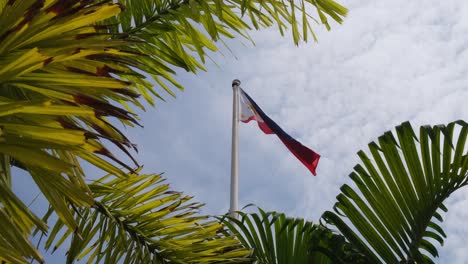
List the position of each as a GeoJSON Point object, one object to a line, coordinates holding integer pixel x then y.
{"type": "Point", "coordinates": [401, 187]}
{"type": "Point", "coordinates": [274, 238]}
{"type": "Point", "coordinates": [138, 219]}
{"type": "Point", "coordinates": [180, 32]}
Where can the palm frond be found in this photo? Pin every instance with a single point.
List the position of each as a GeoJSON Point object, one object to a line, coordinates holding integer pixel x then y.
{"type": "Point", "coordinates": [138, 219]}
{"type": "Point", "coordinates": [401, 187]}
{"type": "Point", "coordinates": [180, 33]}
{"type": "Point", "coordinates": [274, 238]}
{"type": "Point", "coordinates": [58, 89]}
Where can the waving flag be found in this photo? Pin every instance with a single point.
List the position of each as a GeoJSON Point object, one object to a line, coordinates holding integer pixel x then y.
{"type": "Point", "coordinates": [249, 111]}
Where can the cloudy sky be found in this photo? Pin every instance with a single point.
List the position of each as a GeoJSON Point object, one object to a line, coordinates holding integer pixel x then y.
{"type": "Point", "coordinates": [390, 61]}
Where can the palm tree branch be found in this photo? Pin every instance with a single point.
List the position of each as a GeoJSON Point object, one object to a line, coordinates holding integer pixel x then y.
{"type": "Point", "coordinates": [274, 238]}
{"type": "Point", "coordinates": [401, 192]}
{"type": "Point", "coordinates": [179, 33]}
{"type": "Point", "coordinates": [140, 217]}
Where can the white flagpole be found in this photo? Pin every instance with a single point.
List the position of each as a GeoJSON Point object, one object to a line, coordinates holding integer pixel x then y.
{"type": "Point", "coordinates": [234, 154]}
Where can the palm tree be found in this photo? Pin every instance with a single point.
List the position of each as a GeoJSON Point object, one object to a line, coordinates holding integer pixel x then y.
{"type": "Point", "coordinates": [70, 70]}
{"type": "Point", "coordinates": [391, 216]}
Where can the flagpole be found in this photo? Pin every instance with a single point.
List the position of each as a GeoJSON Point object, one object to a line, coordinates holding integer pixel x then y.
{"type": "Point", "coordinates": [234, 154]}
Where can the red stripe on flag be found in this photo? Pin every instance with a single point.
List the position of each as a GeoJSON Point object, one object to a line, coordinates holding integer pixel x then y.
{"type": "Point", "coordinates": [265, 128]}
{"type": "Point", "coordinates": [305, 155]}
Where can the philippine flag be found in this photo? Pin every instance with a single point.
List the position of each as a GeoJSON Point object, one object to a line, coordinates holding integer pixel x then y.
{"type": "Point", "coordinates": [249, 111]}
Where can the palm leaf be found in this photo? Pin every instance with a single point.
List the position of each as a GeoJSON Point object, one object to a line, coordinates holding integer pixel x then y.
{"type": "Point", "coordinates": [181, 33]}
{"type": "Point", "coordinates": [138, 219]}
{"type": "Point", "coordinates": [274, 238]}
{"type": "Point", "coordinates": [57, 91]}
{"type": "Point", "coordinates": [394, 212]}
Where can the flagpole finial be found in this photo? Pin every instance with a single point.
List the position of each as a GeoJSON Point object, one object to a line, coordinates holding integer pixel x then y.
{"type": "Point", "coordinates": [236, 82]}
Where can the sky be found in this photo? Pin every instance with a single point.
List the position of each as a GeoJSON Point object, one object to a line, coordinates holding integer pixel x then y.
{"type": "Point", "coordinates": [389, 62]}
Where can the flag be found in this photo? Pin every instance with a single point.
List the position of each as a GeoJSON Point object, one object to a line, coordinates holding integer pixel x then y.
{"type": "Point", "coordinates": [249, 111]}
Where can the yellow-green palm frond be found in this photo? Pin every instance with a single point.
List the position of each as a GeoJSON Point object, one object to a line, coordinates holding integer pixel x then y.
{"type": "Point", "coordinates": [59, 89]}
{"type": "Point", "coordinates": [139, 219]}
{"type": "Point", "coordinates": [180, 33]}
